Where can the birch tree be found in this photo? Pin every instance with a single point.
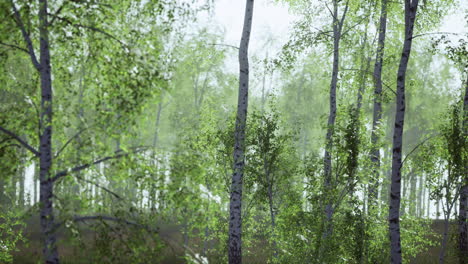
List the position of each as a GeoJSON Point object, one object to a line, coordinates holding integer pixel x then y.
{"type": "Point", "coordinates": [235, 205]}
{"type": "Point", "coordinates": [411, 7]}
{"type": "Point", "coordinates": [377, 110]}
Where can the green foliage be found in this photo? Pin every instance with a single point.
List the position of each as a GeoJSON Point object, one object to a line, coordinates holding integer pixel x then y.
{"type": "Point", "coordinates": [11, 233]}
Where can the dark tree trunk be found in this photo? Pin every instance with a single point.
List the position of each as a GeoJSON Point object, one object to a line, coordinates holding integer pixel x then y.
{"type": "Point", "coordinates": [45, 145]}
{"type": "Point", "coordinates": [235, 204]}
{"type": "Point", "coordinates": [395, 190]}
{"type": "Point", "coordinates": [463, 202]}
{"type": "Point", "coordinates": [2, 191]}
{"type": "Point", "coordinates": [377, 113]}
{"type": "Point", "coordinates": [328, 184]}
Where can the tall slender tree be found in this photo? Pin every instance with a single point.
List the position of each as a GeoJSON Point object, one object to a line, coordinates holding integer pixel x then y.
{"type": "Point", "coordinates": [463, 203]}
{"type": "Point", "coordinates": [328, 184]}
{"type": "Point", "coordinates": [235, 206]}
{"type": "Point", "coordinates": [411, 7]}
{"type": "Point", "coordinates": [377, 112]}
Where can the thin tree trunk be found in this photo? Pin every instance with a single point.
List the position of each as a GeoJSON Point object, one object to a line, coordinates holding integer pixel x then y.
{"type": "Point", "coordinates": [395, 190]}
{"type": "Point", "coordinates": [328, 184]}
{"type": "Point", "coordinates": [444, 240]}
{"type": "Point", "coordinates": [2, 191]}
{"type": "Point", "coordinates": [22, 172]}
{"type": "Point", "coordinates": [377, 113]}
{"type": "Point", "coordinates": [463, 202]}
{"type": "Point", "coordinates": [156, 127]}
{"type": "Point", "coordinates": [420, 196]}
{"type": "Point", "coordinates": [269, 179]}
{"type": "Point", "coordinates": [235, 203]}
{"type": "Point", "coordinates": [412, 198]}
{"type": "Point", "coordinates": [35, 180]}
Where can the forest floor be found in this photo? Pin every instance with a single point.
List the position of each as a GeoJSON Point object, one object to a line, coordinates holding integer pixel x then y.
{"type": "Point", "coordinates": [72, 253]}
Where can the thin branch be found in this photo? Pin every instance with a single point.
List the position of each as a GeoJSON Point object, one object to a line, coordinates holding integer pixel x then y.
{"type": "Point", "coordinates": [99, 186]}
{"type": "Point", "coordinates": [22, 142]}
{"type": "Point", "coordinates": [331, 13]}
{"type": "Point", "coordinates": [78, 25]}
{"type": "Point", "coordinates": [225, 45]}
{"type": "Point", "coordinates": [344, 15]}
{"type": "Point", "coordinates": [85, 166]}
{"type": "Point", "coordinates": [69, 141]}
{"type": "Point", "coordinates": [417, 146]}
{"type": "Point", "coordinates": [14, 46]}
{"type": "Point", "coordinates": [88, 165]}
{"type": "Point", "coordinates": [438, 33]}
{"type": "Point", "coordinates": [370, 73]}
{"type": "Point", "coordinates": [26, 37]}
{"type": "Point", "coordinates": [353, 26]}
{"type": "Point", "coordinates": [56, 13]}
{"type": "Point", "coordinates": [109, 218]}
{"type": "Point", "coordinates": [10, 145]}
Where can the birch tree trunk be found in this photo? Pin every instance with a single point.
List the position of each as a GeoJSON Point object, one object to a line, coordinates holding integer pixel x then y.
{"type": "Point", "coordinates": [328, 185]}
{"type": "Point", "coordinates": [463, 203]}
{"type": "Point", "coordinates": [377, 112]}
{"type": "Point", "coordinates": [395, 190]}
{"type": "Point", "coordinates": [235, 204]}
{"type": "Point", "coordinates": [269, 180]}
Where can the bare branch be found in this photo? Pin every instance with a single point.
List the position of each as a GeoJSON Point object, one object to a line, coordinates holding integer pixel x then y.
{"type": "Point", "coordinates": [14, 46]}
{"type": "Point", "coordinates": [69, 141]}
{"type": "Point", "coordinates": [99, 186]}
{"type": "Point", "coordinates": [88, 165]}
{"type": "Point", "coordinates": [85, 166]}
{"type": "Point", "coordinates": [26, 37]}
{"type": "Point", "coordinates": [56, 13]}
{"type": "Point", "coordinates": [109, 218]}
{"type": "Point", "coordinates": [370, 73]}
{"type": "Point", "coordinates": [22, 142]}
{"type": "Point", "coordinates": [438, 33]}
{"type": "Point", "coordinates": [344, 15]}
{"type": "Point", "coordinates": [331, 13]}
{"type": "Point", "coordinates": [225, 45]}
{"type": "Point", "coordinates": [417, 146]}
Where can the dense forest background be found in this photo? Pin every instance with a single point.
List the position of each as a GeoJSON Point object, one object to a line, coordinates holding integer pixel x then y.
{"type": "Point", "coordinates": [136, 132]}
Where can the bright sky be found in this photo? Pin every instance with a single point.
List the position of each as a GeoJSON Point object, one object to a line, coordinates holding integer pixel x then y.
{"type": "Point", "coordinates": [269, 19]}
{"type": "Point", "coordinates": [273, 20]}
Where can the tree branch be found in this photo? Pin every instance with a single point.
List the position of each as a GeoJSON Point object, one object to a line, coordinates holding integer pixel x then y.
{"type": "Point", "coordinates": [78, 25]}
{"type": "Point", "coordinates": [26, 37]}
{"type": "Point", "coordinates": [22, 142]}
{"type": "Point", "coordinates": [85, 166]}
{"type": "Point", "coordinates": [344, 16]}
{"type": "Point", "coordinates": [226, 45]}
{"type": "Point", "coordinates": [108, 218]}
{"type": "Point", "coordinates": [417, 146]}
{"type": "Point", "coordinates": [370, 73]}
{"type": "Point", "coordinates": [14, 46]}
{"type": "Point", "coordinates": [88, 165]}
{"type": "Point", "coordinates": [69, 141]}
{"type": "Point", "coordinates": [437, 33]}
{"type": "Point", "coordinates": [56, 13]}
{"type": "Point", "coordinates": [99, 186]}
